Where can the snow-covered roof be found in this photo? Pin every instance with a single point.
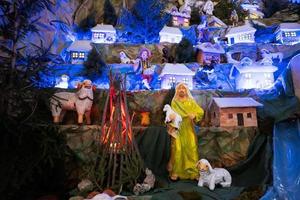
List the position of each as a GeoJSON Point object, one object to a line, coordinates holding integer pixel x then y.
{"type": "Point", "coordinates": [288, 26]}
{"type": "Point", "coordinates": [211, 48]}
{"type": "Point", "coordinates": [253, 67]}
{"type": "Point", "coordinates": [80, 45]}
{"type": "Point", "coordinates": [175, 12]}
{"type": "Point", "coordinates": [248, 6]}
{"type": "Point", "coordinates": [236, 102]}
{"type": "Point", "coordinates": [176, 69]}
{"type": "Point", "coordinates": [214, 19]}
{"type": "Point", "coordinates": [104, 28]}
{"type": "Point", "coordinates": [171, 30]}
{"type": "Point", "coordinates": [247, 28]}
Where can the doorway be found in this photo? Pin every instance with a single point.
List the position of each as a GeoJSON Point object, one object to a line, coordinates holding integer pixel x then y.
{"type": "Point", "coordinates": [240, 119]}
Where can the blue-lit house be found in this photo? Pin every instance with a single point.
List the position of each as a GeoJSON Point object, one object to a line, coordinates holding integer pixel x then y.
{"type": "Point", "coordinates": [240, 34]}
{"type": "Point", "coordinates": [104, 33]}
{"type": "Point", "coordinates": [288, 33]}
{"type": "Point", "coordinates": [79, 50]}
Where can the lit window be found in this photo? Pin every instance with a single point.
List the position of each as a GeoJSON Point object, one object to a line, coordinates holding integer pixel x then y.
{"type": "Point", "coordinates": [98, 35]}
{"type": "Point", "coordinates": [74, 55]}
{"type": "Point", "coordinates": [247, 75]}
{"type": "Point", "coordinates": [230, 116]}
{"type": "Point", "coordinates": [287, 34]}
{"type": "Point", "coordinates": [185, 80]}
{"type": "Point", "coordinates": [247, 36]}
{"type": "Point", "coordinates": [81, 54]}
{"type": "Point", "coordinates": [293, 34]}
{"type": "Point", "coordinates": [172, 80]}
{"type": "Point", "coordinates": [267, 75]}
{"type": "Point", "coordinates": [249, 115]}
{"type": "Point", "coordinates": [268, 83]}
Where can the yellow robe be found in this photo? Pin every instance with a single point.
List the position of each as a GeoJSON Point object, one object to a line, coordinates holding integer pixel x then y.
{"type": "Point", "coordinates": [184, 149]}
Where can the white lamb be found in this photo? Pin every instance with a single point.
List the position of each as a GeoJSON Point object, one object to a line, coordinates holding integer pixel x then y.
{"type": "Point", "coordinates": [169, 117]}
{"type": "Point", "coordinates": [210, 177]}
{"type": "Point", "coordinates": [124, 58]}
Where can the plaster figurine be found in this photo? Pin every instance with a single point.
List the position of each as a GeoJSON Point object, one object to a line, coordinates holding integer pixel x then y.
{"type": "Point", "coordinates": [173, 118]}
{"type": "Point", "coordinates": [208, 7]}
{"type": "Point", "coordinates": [63, 82]}
{"type": "Point", "coordinates": [147, 185]}
{"type": "Point", "coordinates": [81, 101]}
{"type": "Point", "coordinates": [211, 177]}
{"type": "Point", "coordinates": [124, 58]}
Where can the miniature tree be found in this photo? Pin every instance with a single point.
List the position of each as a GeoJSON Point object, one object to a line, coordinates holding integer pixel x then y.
{"type": "Point", "coordinates": [87, 23]}
{"type": "Point", "coordinates": [94, 63]}
{"type": "Point", "coordinates": [110, 16]}
{"type": "Point", "coordinates": [184, 51]}
{"type": "Point", "coordinates": [35, 145]}
{"type": "Point", "coordinates": [142, 26]}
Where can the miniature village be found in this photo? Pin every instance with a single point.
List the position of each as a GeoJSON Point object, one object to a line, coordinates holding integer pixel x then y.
{"type": "Point", "coordinates": [149, 99]}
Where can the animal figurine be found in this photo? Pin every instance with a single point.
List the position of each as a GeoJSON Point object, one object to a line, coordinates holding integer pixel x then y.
{"type": "Point", "coordinates": [169, 111]}
{"type": "Point", "coordinates": [172, 117]}
{"type": "Point", "coordinates": [211, 177]}
{"type": "Point", "coordinates": [63, 82]}
{"type": "Point", "coordinates": [124, 58]}
{"type": "Point", "coordinates": [146, 185]}
{"type": "Point", "coordinates": [275, 55]}
{"type": "Point", "coordinates": [81, 101]}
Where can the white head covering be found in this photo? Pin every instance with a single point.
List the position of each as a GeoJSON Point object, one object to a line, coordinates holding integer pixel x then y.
{"type": "Point", "coordinates": [187, 91]}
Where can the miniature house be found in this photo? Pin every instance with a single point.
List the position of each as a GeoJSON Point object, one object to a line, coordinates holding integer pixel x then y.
{"type": "Point", "coordinates": [104, 33]}
{"type": "Point", "coordinates": [234, 111]}
{"type": "Point", "coordinates": [210, 52]}
{"type": "Point", "coordinates": [79, 50]}
{"type": "Point", "coordinates": [176, 73]}
{"type": "Point", "coordinates": [288, 33]}
{"type": "Point", "coordinates": [180, 18]}
{"type": "Point", "coordinates": [241, 34]}
{"type": "Point", "coordinates": [170, 34]}
{"type": "Point", "coordinates": [253, 75]}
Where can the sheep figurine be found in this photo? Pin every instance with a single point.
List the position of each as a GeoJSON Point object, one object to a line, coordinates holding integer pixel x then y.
{"type": "Point", "coordinates": [176, 121]}
{"type": "Point", "coordinates": [124, 58]}
{"type": "Point", "coordinates": [169, 112]}
{"type": "Point", "coordinates": [148, 183]}
{"type": "Point", "coordinates": [210, 177]}
{"type": "Point", "coordinates": [81, 101]}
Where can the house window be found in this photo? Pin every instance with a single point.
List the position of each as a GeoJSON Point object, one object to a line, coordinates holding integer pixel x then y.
{"type": "Point", "coordinates": [98, 35]}
{"type": "Point", "coordinates": [172, 81]}
{"type": "Point", "coordinates": [247, 75]}
{"type": "Point", "coordinates": [290, 34]}
{"type": "Point", "coordinates": [268, 83]}
{"type": "Point", "coordinates": [249, 115]}
{"type": "Point", "coordinates": [185, 80]}
{"type": "Point", "coordinates": [215, 115]}
{"type": "Point", "coordinates": [75, 55]}
{"type": "Point", "coordinates": [267, 75]}
{"type": "Point", "coordinates": [247, 36]}
{"type": "Point", "coordinates": [230, 116]}
{"type": "Point", "coordinates": [81, 55]}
